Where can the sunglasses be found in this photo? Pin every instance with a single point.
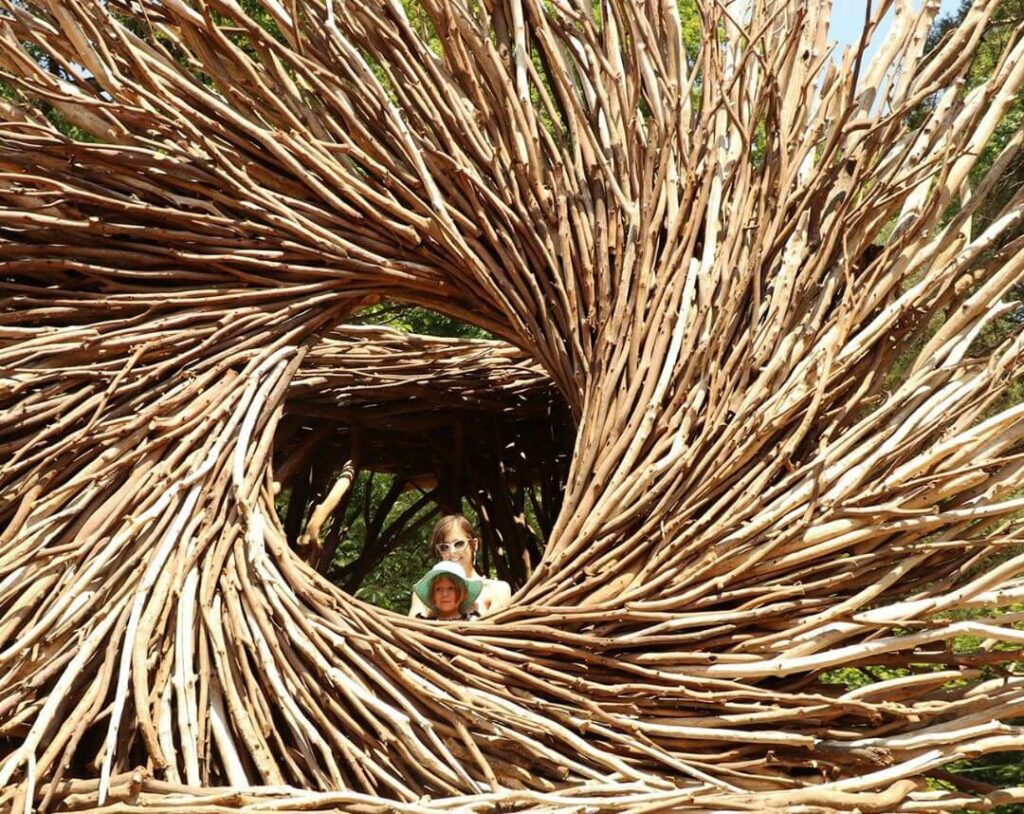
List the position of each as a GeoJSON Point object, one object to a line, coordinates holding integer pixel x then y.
{"type": "Point", "coordinates": [454, 547]}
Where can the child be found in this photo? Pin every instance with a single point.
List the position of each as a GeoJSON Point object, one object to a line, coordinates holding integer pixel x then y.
{"type": "Point", "coordinates": [447, 594]}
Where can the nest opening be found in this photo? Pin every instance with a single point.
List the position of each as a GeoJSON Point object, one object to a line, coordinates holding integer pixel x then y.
{"type": "Point", "coordinates": [385, 431]}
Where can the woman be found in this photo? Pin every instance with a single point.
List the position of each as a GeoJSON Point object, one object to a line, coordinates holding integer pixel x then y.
{"type": "Point", "coordinates": [447, 593]}
{"type": "Point", "coordinates": [454, 539]}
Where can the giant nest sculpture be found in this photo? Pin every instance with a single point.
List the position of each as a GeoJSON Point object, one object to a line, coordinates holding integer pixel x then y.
{"type": "Point", "coordinates": [733, 263]}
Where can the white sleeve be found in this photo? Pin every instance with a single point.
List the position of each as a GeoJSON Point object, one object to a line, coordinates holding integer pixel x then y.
{"type": "Point", "coordinates": [416, 607]}
{"type": "Point", "coordinates": [502, 596]}
{"type": "Point", "coordinates": [494, 597]}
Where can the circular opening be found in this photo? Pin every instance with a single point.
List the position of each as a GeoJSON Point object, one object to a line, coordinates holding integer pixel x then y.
{"type": "Point", "coordinates": [404, 415]}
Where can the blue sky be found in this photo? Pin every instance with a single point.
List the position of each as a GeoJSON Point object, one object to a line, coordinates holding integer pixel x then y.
{"type": "Point", "coordinates": [848, 19]}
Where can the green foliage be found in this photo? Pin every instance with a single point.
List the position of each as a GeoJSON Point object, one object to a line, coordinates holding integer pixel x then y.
{"type": "Point", "coordinates": [423, 24]}
{"type": "Point", "coordinates": [690, 19]}
{"type": "Point", "coordinates": [1000, 769]}
{"type": "Point", "coordinates": [58, 120]}
{"type": "Point", "coordinates": [388, 583]}
{"type": "Point", "coordinates": [258, 13]}
{"type": "Point", "coordinates": [413, 319]}
{"type": "Point", "coordinates": [998, 34]}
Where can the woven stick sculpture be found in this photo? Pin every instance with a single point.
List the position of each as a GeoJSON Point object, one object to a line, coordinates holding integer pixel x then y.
{"type": "Point", "coordinates": [381, 370]}
{"type": "Point", "coordinates": [796, 449]}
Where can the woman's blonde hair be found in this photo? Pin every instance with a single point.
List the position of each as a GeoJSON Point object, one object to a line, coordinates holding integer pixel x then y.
{"type": "Point", "coordinates": [446, 524]}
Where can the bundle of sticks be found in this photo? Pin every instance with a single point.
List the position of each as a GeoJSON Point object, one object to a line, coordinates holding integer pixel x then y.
{"type": "Point", "coordinates": [787, 569]}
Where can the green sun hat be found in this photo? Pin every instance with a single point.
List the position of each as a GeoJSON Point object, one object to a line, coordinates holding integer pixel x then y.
{"type": "Point", "coordinates": [424, 588]}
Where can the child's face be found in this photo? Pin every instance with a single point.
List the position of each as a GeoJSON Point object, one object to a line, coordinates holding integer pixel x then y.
{"type": "Point", "coordinates": [445, 594]}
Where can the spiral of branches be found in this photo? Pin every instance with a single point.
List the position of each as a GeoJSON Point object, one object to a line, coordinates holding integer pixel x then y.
{"type": "Point", "coordinates": [747, 264]}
